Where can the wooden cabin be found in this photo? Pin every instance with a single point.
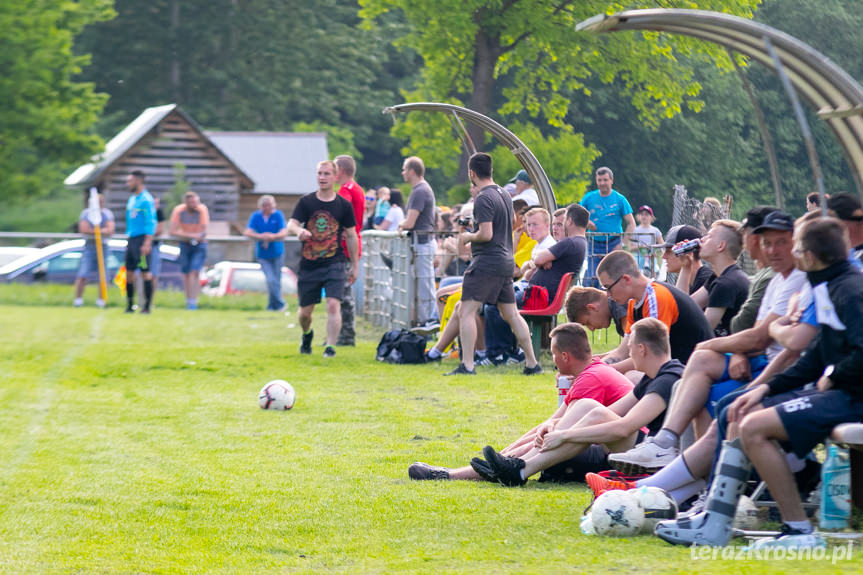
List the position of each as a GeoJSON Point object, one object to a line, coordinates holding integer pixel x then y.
{"type": "Point", "coordinates": [169, 147]}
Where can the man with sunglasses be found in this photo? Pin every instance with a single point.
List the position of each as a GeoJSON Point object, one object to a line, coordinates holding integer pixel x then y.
{"type": "Point", "coordinates": [621, 279]}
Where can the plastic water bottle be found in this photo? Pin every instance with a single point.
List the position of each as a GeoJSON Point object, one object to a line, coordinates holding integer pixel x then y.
{"type": "Point", "coordinates": [564, 382]}
{"type": "Point", "coordinates": [835, 488]}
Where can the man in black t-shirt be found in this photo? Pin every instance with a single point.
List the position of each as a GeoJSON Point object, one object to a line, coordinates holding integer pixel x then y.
{"type": "Point", "coordinates": [488, 279]}
{"type": "Point", "coordinates": [320, 220]}
{"type": "Point", "coordinates": [617, 427]}
{"type": "Point", "coordinates": [720, 247]}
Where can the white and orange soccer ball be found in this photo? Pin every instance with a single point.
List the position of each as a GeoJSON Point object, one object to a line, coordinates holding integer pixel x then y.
{"type": "Point", "coordinates": [277, 395]}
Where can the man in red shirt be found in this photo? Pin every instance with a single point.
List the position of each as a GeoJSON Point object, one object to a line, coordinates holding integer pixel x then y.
{"type": "Point", "coordinates": [346, 168]}
{"type": "Point", "coordinates": [594, 383]}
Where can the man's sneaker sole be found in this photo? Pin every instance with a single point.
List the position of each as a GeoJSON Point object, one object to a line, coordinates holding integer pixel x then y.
{"type": "Point", "coordinates": [424, 472]}
{"type": "Point", "coordinates": [482, 469]}
{"type": "Point", "coordinates": [535, 370]}
{"type": "Point", "coordinates": [634, 468]}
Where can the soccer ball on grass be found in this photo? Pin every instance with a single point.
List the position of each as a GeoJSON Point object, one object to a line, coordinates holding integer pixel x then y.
{"type": "Point", "coordinates": [617, 513]}
{"type": "Point", "coordinates": [277, 395]}
{"type": "Point", "coordinates": [657, 504]}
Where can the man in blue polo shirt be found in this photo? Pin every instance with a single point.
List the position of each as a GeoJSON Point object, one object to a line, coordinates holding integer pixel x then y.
{"type": "Point", "coordinates": [609, 210]}
{"type": "Point", "coordinates": [267, 226]}
{"type": "Point", "coordinates": [140, 227]}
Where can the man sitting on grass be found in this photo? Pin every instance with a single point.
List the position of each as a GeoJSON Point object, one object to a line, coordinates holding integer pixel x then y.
{"type": "Point", "coordinates": [595, 384]}
{"type": "Point", "coordinates": [614, 428]}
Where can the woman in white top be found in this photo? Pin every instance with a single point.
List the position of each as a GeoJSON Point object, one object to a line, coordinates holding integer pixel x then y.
{"type": "Point", "coordinates": [395, 215]}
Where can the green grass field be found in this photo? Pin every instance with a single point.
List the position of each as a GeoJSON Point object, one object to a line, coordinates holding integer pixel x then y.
{"type": "Point", "coordinates": [134, 444]}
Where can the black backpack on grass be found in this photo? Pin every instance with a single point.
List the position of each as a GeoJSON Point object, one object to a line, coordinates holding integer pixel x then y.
{"type": "Point", "coordinates": [401, 346]}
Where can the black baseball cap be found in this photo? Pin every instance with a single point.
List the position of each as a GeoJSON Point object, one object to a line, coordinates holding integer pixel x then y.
{"type": "Point", "coordinates": [846, 207]}
{"type": "Point", "coordinates": [679, 234]}
{"type": "Point", "coordinates": [777, 220]}
{"type": "Point", "coordinates": [755, 216]}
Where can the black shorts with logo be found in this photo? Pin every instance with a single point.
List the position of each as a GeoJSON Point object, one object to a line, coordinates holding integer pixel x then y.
{"type": "Point", "coordinates": [330, 278]}
{"type": "Point", "coordinates": [487, 289]}
{"type": "Point", "coordinates": [809, 415]}
{"type": "Point", "coordinates": [134, 258]}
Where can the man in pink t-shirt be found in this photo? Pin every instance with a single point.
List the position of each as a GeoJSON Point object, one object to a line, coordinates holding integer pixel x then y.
{"type": "Point", "coordinates": [346, 169]}
{"type": "Point", "coordinates": [594, 382]}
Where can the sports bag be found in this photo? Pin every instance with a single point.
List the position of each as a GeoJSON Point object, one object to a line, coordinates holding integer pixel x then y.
{"type": "Point", "coordinates": [401, 346]}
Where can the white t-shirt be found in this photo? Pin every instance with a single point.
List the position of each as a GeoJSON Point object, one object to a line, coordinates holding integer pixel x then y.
{"type": "Point", "coordinates": [394, 217]}
{"type": "Point", "coordinates": [543, 245]}
{"type": "Point", "coordinates": [646, 236]}
{"type": "Point", "coordinates": [529, 195]}
{"type": "Point", "coordinates": [776, 296]}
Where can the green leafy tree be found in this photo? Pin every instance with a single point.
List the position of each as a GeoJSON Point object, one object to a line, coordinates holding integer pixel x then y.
{"type": "Point", "coordinates": [46, 115]}
{"type": "Point", "coordinates": [523, 59]}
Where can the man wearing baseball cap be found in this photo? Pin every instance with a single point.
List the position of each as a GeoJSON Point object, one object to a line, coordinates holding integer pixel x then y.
{"type": "Point", "coordinates": [848, 209]}
{"type": "Point", "coordinates": [524, 189]}
{"type": "Point", "coordinates": [692, 274]}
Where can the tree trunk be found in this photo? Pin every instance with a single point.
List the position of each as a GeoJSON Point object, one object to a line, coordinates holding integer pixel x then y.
{"type": "Point", "coordinates": [486, 54]}
{"type": "Point", "coordinates": [175, 53]}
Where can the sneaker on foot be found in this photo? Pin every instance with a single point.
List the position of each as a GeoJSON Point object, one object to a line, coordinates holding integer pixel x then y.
{"type": "Point", "coordinates": [100, 303]}
{"type": "Point", "coordinates": [329, 351]}
{"type": "Point", "coordinates": [79, 301]}
{"type": "Point", "coordinates": [646, 457]}
{"type": "Point", "coordinates": [515, 358]}
{"type": "Point", "coordinates": [430, 358]}
{"type": "Point", "coordinates": [790, 538]}
{"type": "Point", "coordinates": [600, 484]}
{"type": "Point", "coordinates": [535, 370]}
{"type": "Point", "coordinates": [130, 309]}
{"type": "Point", "coordinates": [484, 361]}
{"type": "Point", "coordinates": [306, 344]}
{"type": "Point", "coordinates": [482, 469]}
{"type": "Point", "coordinates": [506, 469]}
{"type": "Point", "coordinates": [462, 370]}
{"type": "Point", "coordinates": [423, 471]}
{"type": "Point", "coordinates": [145, 310]}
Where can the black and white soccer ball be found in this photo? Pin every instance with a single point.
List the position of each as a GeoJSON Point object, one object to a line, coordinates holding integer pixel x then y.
{"type": "Point", "coordinates": [617, 513]}
{"type": "Point", "coordinates": [277, 395]}
{"type": "Point", "coordinates": [658, 506]}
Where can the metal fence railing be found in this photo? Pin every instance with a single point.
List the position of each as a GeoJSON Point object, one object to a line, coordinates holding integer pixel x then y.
{"type": "Point", "coordinates": [388, 292]}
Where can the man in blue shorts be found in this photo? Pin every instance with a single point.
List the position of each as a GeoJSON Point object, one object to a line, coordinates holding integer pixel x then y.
{"type": "Point", "coordinates": [609, 211]}
{"type": "Point", "coordinates": [189, 223]}
{"type": "Point", "coordinates": [782, 411]}
{"type": "Point", "coordinates": [89, 258]}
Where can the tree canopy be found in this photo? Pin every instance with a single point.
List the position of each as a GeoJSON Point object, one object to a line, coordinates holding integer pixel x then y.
{"type": "Point", "coordinates": [46, 114]}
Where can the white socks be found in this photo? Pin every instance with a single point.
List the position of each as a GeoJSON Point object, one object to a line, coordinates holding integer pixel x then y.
{"type": "Point", "coordinates": [673, 476]}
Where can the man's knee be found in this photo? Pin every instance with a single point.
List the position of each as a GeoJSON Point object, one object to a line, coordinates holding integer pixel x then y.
{"type": "Point", "coordinates": [334, 305]}
{"type": "Point", "coordinates": [599, 414]}
{"type": "Point", "coordinates": [305, 312]}
{"type": "Point", "coordinates": [706, 362]}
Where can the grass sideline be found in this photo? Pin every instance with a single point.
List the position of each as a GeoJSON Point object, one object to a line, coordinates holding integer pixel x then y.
{"type": "Point", "coordinates": [134, 444]}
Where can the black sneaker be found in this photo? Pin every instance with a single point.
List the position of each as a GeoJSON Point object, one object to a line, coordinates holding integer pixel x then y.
{"type": "Point", "coordinates": [130, 309]}
{"type": "Point", "coordinates": [535, 370]}
{"type": "Point", "coordinates": [306, 345]}
{"type": "Point", "coordinates": [482, 469]}
{"type": "Point", "coordinates": [423, 472]}
{"type": "Point", "coordinates": [329, 351]}
{"type": "Point", "coordinates": [462, 370]}
{"type": "Point", "coordinates": [145, 310]}
{"type": "Point", "coordinates": [346, 343]}
{"type": "Point", "coordinates": [506, 469]}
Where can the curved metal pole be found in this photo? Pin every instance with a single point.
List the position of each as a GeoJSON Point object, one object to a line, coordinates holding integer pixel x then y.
{"type": "Point", "coordinates": [804, 125]}
{"type": "Point", "coordinates": [835, 95]}
{"type": "Point", "coordinates": [537, 174]}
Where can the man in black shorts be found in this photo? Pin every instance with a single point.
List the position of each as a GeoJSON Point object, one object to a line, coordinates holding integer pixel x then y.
{"type": "Point", "coordinates": [319, 221]}
{"type": "Point", "coordinates": [782, 411]}
{"type": "Point", "coordinates": [488, 279]}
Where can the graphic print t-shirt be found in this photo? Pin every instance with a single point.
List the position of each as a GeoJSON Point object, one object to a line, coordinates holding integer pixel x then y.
{"type": "Point", "coordinates": [326, 221]}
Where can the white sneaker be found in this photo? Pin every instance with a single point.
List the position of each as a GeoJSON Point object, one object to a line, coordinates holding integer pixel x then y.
{"type": "Point", "coordinates": [790, 539]}
{"type": "Point", "coordinates": [78, 302]}
{"type": "Point", "coordinates": [646, 457]}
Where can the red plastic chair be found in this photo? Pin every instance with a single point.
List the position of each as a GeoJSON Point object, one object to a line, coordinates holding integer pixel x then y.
{"type": "Point", "coordinates": [540, 321]}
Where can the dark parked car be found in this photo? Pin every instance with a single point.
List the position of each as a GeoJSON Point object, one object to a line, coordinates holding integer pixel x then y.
{"type": "Point", "coordinates": [58, 263]}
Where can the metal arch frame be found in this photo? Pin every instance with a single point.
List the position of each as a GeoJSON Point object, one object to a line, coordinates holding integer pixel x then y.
{"type": "Point", "coordinates": [537, 174]}
{"type": "Point", "coordinates": [835, 95]}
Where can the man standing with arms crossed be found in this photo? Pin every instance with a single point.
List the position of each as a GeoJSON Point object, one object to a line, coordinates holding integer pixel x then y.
{"type": "Point", "coordinates": [609, 210]}
{"type": "Point", "coordinates": [488, 279]}
{"type": "Point", "coordinates": [189, 223]}
{"type": "Point", "coordinates": [140, 227]}
{"type": "Point", "coordinates": [346, 169]}
{"type": "Point", "coordinates": [320, 220]}
{"type": "Point", "coordinates": [420, 218]}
